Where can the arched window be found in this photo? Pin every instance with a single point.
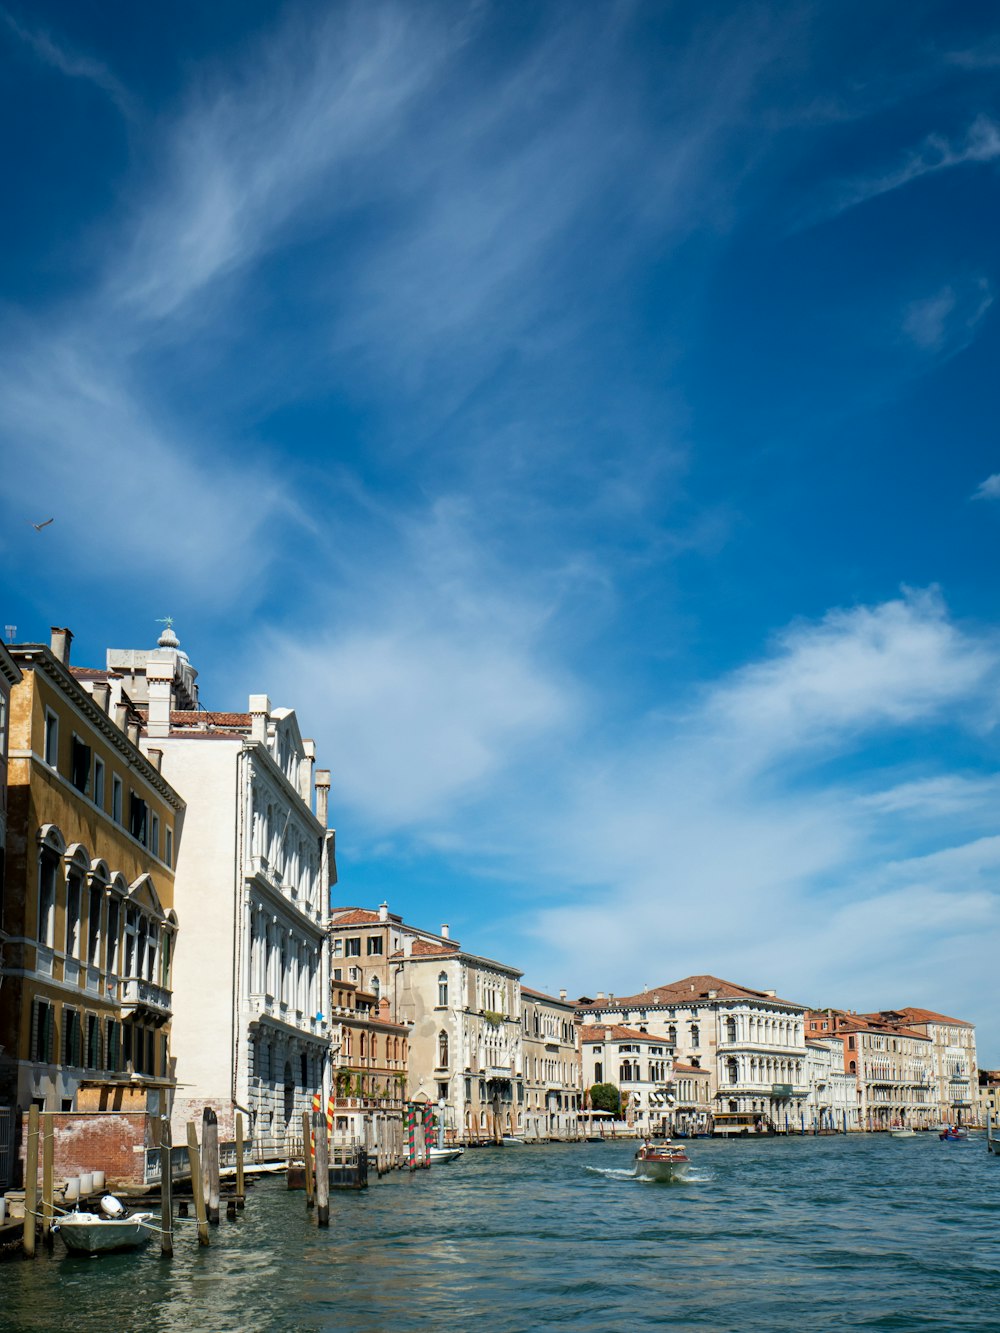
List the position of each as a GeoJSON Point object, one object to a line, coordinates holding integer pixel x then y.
{"type": "Point", "coordinates": [733, 1070]}
{"type": "Point", "coordinates": [730, 1029]}
{"type": "Point", "coordinates": [363, 1045]}
{"type": "Point", "coordinates": [442, 989]}
{"type": "Point", "coordinates": [442, 1049]}
{"type": "Point", "coordinates": [672, 1034]}
{"type": "Point", "coordinates": [695, 1036]}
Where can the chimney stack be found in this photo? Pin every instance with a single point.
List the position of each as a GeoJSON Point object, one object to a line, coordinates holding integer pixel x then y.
{"type": "Point", "coordinates": [155, 757]}
{"type": "Point", "coordinates": [121, 716]}
{"type": "Point", "coordinates": [562, 994]}
{"type": "Point", "coordinates": [322, 795]}
{"type": "Point", "coordinates": [133, 733]}
{"type": "Point", "coordinates": [383, 912]}
{"type": "Point", "coordinates": [444, 931]}
{"type": "Point", "coordinates": [260, 711]}
{"type": "Point", "coordinates": [101, 694]}
{"type": "Point", "coordinates": [60, 644]}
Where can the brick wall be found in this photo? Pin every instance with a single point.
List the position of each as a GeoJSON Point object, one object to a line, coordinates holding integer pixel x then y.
{"type": "Point", "coordinates": [108, 1141]}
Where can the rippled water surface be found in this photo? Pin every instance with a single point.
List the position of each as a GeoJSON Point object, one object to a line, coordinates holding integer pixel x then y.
{"type": "Point", "coordinates": [798, 1234]}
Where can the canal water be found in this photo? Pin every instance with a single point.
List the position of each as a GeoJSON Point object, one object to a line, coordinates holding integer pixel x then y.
{"type": "Point", "coordinates": [782, 1234]}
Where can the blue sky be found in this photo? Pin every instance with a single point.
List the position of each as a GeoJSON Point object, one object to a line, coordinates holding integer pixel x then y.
{"type": "Point", "coordinates": [584, 416]}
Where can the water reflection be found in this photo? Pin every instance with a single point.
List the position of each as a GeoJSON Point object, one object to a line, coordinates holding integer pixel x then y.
{"type": "Point", "coordinates": [803, 1234]}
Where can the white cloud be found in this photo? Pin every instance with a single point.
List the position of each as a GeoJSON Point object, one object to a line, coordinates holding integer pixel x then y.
{"type": "Point", "coordinates": [981, 144]}
{"type": "Point", "coordinates": [70, 63]}
{"type": "Point", "coordinates": [988, 489]}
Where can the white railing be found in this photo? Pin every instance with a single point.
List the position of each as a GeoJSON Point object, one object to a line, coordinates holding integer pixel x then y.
{"type": "Point", "coordinates": [137, 992]}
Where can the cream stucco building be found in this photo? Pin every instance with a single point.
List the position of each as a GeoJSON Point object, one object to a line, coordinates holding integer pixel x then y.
{"type": "Point", "coordinates": [551, 1059]}
{"type": "Point", "coordinates": [251, 982]}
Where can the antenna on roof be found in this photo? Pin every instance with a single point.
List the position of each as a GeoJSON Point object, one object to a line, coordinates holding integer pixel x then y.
{"type": "Point", "coordinates": [11, 632]}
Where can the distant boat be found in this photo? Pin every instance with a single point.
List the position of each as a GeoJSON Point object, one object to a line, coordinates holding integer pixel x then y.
{"type": "Point", "coordinates": [444, 1154]}
{"type": "Point", "coordinates": [953, 1135]}
{"type": "Point", "coordinates": [902, 1133]}
{"type": "Point", "coordinates": [662, 1161]}
{"type": "Point", "coordinates": [113, 1228]}
{"type": "Point", "coordinates": [512, 1141]}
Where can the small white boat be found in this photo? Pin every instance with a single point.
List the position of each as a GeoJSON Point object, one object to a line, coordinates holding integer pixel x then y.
{"type": "Point", "coordinates": [664, 1161]}
{"type": "Point", "coordinates": [444, 1154]}
{"type": "Point", "coordinates": [113, 1228]}
{"type": "Point", "coordinates": [902, 1133]}
{"type": "Point", "coordinates": [512, 1141]}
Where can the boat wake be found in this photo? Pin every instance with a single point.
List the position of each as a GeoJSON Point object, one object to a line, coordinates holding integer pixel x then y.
{"type": "Point", "coordinates": [612, 1173]}
{"type": "Point", "coordinates": [688, 1177]}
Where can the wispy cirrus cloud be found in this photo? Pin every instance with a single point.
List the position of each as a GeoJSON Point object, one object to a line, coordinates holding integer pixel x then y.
{"type": "Point", "coordinates": [989, 489]}
{"type": "Point", "coordinates": [74, 65]}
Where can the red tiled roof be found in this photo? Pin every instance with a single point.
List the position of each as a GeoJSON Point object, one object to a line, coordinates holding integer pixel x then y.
{"type": "Point", "coordinates": [353, 916]}
{"type": "Point", "coordinates": [199, 719]}
{"type": "Point", "coordinates": [911, 1015]}
{"type": "Point", "coordinates": [427, 949]}
{"type": "Point", "coordinates": [680, 1068]}
{"type": "Point", "coordinates": [616, 1032]}
{"type": "Point", "coordinates": [875, 1023]}
{"type": "Point", "coordinates": [677, 992]}
{"type": "Point", "coordinates": [89, 673]}
{"type": "Point", "coordinates": [541, 995]}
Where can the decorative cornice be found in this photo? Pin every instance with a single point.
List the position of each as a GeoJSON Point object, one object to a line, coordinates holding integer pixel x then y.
{"type": "Point", "coordinates": [38, 656]}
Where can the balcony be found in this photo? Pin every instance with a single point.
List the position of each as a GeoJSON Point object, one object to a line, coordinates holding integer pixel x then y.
{"type": "Point", "coordinates": [137, 994]}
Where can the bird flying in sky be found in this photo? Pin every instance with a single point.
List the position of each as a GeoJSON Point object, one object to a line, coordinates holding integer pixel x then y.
{"type": "Point", "coordinates": [38, 526]}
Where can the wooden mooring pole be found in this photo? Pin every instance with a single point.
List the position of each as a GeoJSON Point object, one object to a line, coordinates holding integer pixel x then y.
{"type": "Point", "coordinates": [30, 1183]}
{"type": "Point", "coordinates": [196, 1189]}
{"type": "Point", "coordinates": [210, 1163]}
{"type": "Point", "coordinates": [241, 1197]}
{"type": "Point", "coordinates": [166, 1191]}
{"type": "Point", "coordinates": [322, 1170]}
{"type": "Point", "coordinates": [47, 1130]}
{"type": "Point", "coordinates": [307, 1158]}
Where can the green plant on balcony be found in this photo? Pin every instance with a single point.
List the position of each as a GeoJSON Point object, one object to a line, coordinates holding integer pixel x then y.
{"type": "Point", "coordinates": [492, 1018]}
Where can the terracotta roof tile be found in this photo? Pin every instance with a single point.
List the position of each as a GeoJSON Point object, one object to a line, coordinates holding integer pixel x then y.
{"type": "Point", "coordinates": [353, 916]}
{"type": "Point", "coordinates": [199, 719]}
{"type": "Point", "coordinates": [678, 992]}
{"type": "Point", "coordinates": [680, 1068]}
{"type": "Point", "coordinates": [427, 949]}
{"type": "Point", "coordinates": [616, 1032]}
{"type": "Point", "coordinates": [911, 1015]}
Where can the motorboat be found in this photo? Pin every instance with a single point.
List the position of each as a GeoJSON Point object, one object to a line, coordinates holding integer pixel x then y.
{"type": "Point", "coordinates": [512, 1141]}
{"type": "Point", "coordinates": [113, 1227]}
{"type": "Point", "coordinates": [902, 1133]}
{"type": "Point", "coordinates": [444, 1154]}
{"type": "Point", "coordinates": [661, 1161]}
{"type": "Point", "coordinates": [953, 1135]}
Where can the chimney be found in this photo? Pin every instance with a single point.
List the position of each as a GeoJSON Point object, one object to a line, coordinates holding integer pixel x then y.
{"type": "Point", "coordinates": [160, 693]}
{"type": "Point", "coordinates": [771, 994]}
{"type": "Point", "coordinates": [121, 716]}
{"type": "Point", "coordinates": [133, 733]}
{"type": "Point", "coordinates": [383, 912]}
{"type": "Point", "coordinates": [101, 694]}
{"type": "Point", "coordinates": [155, 757]}
{"type": "Point", "coordinates": [408, 946]}
{"type": "Point", "coordinates": [260, 711]}
{"type": "Point", "coordinates": [600, 995]}
{"type": "Point", "coordinates": [444, 931]}
{"type": "Point", "coordinates": [322, 795]}
{"type": "Point", "coordinates": [60, 643]}
{"type": "Point", "coordinates": [562, 994]}
{"type": "Point", "coordinates": [306, 770]}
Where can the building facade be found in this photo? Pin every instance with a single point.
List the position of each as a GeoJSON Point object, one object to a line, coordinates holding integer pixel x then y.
{"type": "Point", "coordinates": [639, 1065]}
{"type": "Point", "coordinates": [88, 907]}
{"type": "Point", "coordinates": [953, 1059]}
{"type": "Point", "coordinates": [831, 1098]}
{"type": "Point", "coordinates": [251, 1022]}
{"type": "Point", "coordinates": [370, 1057]}
{"type": "Point", "coordinates": [751, 1042]}
{"type": "Point", "coordinates": [892, 1066]}
{"type": "Point", "coordinates": [551, 1061]}
{"type": "Point", "coordinates": [463, 1013]}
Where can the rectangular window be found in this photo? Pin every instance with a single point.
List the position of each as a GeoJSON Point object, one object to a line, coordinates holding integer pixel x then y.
{"type": "Point", "coordinates": [93, 1042]}
{"type": "Point", "coordinates": [338, 974]}
{"type": "Point", "coordinates": [80, 765]}
{"type": "Point", "coordinates": [168, 846]}
{"type": "Point", "coordinates": [42, 1032]}
{"type": "Point", "coordinates": [73, 886]}
{"type": "Point", "coordinates": [71, 1037]}
{"type": "Point", "coordinates": [116, 798]}
{"type": "Point", "coordinates": [51, 739]}
{"type": "Point", "coordinates": [154, 835]}
{"type": "Point", "coordinates": [113, 1045]}
{"type": "Point", "coordinates": [374, 944]}
{"type": "Point", "coordinates": [353, 947]}
{"type": "Point", "coordinates": [48, 867]}
{"type": "Point", "coordinates": [114, 920]}
{"type": "Point", "coordinates": [338, 948]}
{"type": "Point", "coordinates": [138, 814]}
{"type": "Point", "coordinates": [94, 927]}
{"type": "Point", "coordinates": [99, 782]}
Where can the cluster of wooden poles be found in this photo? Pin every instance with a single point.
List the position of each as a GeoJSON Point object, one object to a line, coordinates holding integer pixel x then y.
{"type": "Point", "coordinates": [203, 1160]}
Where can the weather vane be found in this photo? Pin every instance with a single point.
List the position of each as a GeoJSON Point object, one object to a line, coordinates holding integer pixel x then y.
{"type": "Point", "coordinates": [166, 620]}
